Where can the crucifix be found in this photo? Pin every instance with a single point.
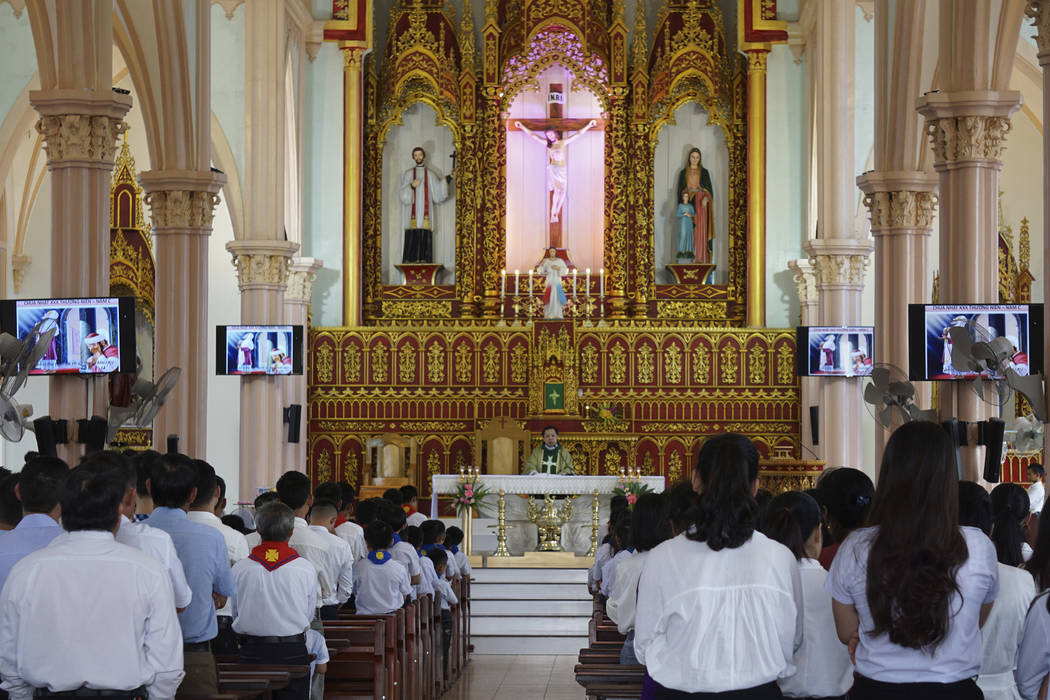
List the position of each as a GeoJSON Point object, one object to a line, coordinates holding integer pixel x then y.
{"type": "Point", "coordinates": [553, 128]}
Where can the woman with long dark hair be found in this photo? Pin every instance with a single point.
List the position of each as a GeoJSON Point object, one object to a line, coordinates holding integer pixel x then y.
{"type": "Point", "coordinates": [1009, 514]}
{"type": "Point", "coordinates": [911, 590]}
{"type": "Point", "coordinates": [719, 606]}
{"type": "Point", "coordinates": [823, 667]}
{"type": "Point", "coordinates": [1039, 564]}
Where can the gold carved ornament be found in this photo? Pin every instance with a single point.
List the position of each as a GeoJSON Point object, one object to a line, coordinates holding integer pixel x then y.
{"type": "Point", "coordinates": [433, 463]}
{"type": "Point", "coordinates": [435, 363]}
{"type": "Point", "coordinates": [674, 467]}
{"type": "Point", "coordinates": [519, 364]}
{"type": "Point", "coordinates": [617, 364]}
{"type": "Point", "coordinates": [785, 365]}
{"type": "Point", "coordinates": [673, 364]}
{"type": "Point", "coordinates": [589, 364]}
{"type": "Point", "coordinates": [406, 364]}
{"type": "Point", "coordinates": [645, 357]}
{"type": "Point", "coordinates": [490, 363]}
{"type": "Point", "coordinates": [729, 364]}
{"type": "Point", "coordinates": [756, 365]}
{"type": "Point", "coordinates": [324, 466]}
{"type": "Point", "coordinates": [351, 470]}
{"type": "Point", "coordinates": [380, 360]}
{"type": "Point", "coordinates": [323, 364]}
{"type": "Point", "coordinates": [463, 363]}
{"type": "Point", "coordinates": [352, 364]}
{"type": "Point", "coordinates": [701, 365]}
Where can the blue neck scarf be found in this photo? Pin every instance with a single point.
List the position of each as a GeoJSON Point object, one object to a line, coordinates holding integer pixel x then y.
{"type": "Point", "coordinates": [454, 549]}
{"type": "Point", "coordinates": [397, 539]}
{"type": "Point", "coordinates": [379, 556]}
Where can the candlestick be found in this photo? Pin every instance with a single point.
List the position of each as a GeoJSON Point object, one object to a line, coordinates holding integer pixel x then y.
{"type": "Point", "coordinates": [502, 283]}
{"type": "Point", "coordinates": [601, 282]}
{"type": "Point", "coordinates": [574, 284]}
{"type": "Point", "coordinates": [530, 284]}
{"type": "Point", "coordinates": [587, 282]}
{"type": "Point", "coordinates": [517, 289]}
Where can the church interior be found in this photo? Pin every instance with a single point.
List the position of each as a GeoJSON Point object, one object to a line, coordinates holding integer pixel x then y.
{"type": "Point", "coordinates": [453, 224]}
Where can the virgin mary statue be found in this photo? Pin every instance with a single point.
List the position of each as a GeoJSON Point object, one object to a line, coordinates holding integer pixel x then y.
{"type": "Point", "coordinates": [696, 180]}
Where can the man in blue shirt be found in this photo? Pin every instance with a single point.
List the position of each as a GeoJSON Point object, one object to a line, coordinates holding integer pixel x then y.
{"type": "Point", "coordinates": [202, 551]}
{"type": "Point", "coordinates": [39, 488]}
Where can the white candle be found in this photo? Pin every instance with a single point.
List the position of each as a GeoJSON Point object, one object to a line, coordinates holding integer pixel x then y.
{"type": "Point", "coordinates": [587, 282]}
{"type": "Point", "coordinates": [516, 287]}
{"type": "Point", "coordinates": [601, 282]}
{"type": "Point", "coordinates": [530, 282]}
{"type": "Point", "coordinates": [574, 283]}
{"type": "Point", "coordinates": [502, 283]}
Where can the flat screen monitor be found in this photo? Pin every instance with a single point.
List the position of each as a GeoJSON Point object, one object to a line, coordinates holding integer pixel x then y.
{"type": "Point", "coordinates": [93, 336]}
{"type": "Point", "coordinates": [930, 344]}
{"type": "Point", "coordinates": [835, 351]}
{"type": "Point", "coordinates": [259, 350]}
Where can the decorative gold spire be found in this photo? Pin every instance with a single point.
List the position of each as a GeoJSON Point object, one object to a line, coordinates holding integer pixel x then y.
{"type": "Point", "coordinates": [466, 38]}
{"type": "Point", "coordinates": [639, 43]}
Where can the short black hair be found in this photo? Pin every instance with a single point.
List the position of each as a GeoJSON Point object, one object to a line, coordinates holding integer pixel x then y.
{"type": "Point", "coordinates": [40, 484]}
{"type": "Point", "coordinates": [453, 536]}
{"type": "Point", "coordinates": [681, 501]}
{"type": "Point", "coordinates": [649, 524]}
{"type": "Point", "coordinates": [419, 148]}
{"type": "Point", "coordinates": [118, 461]}
{"type": "Point", "coordinates": [413, 535]}
{"type": "Point", "coordinates": [432, 530]}
{"type": "Point", "coordinates": [705, 462]}
{"type": "Point", "coordinates": [549, 427]}
{"type": "Point", "coordinates": [392, 515]}
{"type": "Point", "coordinates": [1037, 468]}
{"type": "Point", "coordinates": [438, 556]}
{"type": "Point", "coordinates": [143, 462]}
{"type": "Point", "coordinates": [975, 507]}
{"type": "Point", "coordinates": [236, 522]}
{"type": "Point", "coordinates": [618, 502]}
{"type": "Point", "coordinates": [220, 484]}
{"type": "Point", "coordinates": [394, 496]}
{"type": "Point", "coordinates": [10, 507]}
{"type": "Point", "coordinates": [264, 498]}
{"type": "Point", "coordinates": [172, 480]}
{"type": "Point", "coordinates": [320, 506]}
{"type": "Point", "coordinates": [329, 491]}
{"type": "Point", "coordinates": [367, 511]}
{"type": "Point", "coordinates": [293, 488]}
{"type": "Point", "coordinates": [408, 493]}
{"type": "Point", "coordinates": [348, 494]}
{"type": "Point", "coordinates": [378, 535]}
{"type": "Point", "coordinates": [274, 522]}
{"type": "Point", "coordinates": [91, 497]}
{"type": "Point", "coordinates": [206, 483]}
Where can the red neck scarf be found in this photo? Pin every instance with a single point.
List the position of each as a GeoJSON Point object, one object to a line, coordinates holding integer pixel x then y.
{"type": "Point", "coordinates": [273, 555]}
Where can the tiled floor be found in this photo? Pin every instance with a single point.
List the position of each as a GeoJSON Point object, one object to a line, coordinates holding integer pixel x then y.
{"type": "Point", "coordinates": [491, 677]}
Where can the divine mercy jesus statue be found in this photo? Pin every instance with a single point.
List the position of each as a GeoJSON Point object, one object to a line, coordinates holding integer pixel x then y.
{"type": "Point", "coordinates": [557, 181]}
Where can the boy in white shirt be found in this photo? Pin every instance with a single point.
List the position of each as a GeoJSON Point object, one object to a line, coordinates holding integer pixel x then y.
{"type": "Point", "coordinates": [448, 598]}
{"type": "Point", "coordinates": [410, 504]}
{"type": "Point", "coordinates": [322, 521]}
{"type": "Point", "coordinates": [434, 537]}
{"type": "Point", "coordinates": [381, 584]}
{"type": "Point", "coordinates": [403, 552]}
{"type": "Point", "coordinates": [414, 536]}
{"type": "Point", "coordinates": [1036, 493]}
{"type": "Point", "coordinates": [453, 542]}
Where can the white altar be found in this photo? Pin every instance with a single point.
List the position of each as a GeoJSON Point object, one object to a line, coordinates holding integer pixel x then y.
{"type": "Point", "coordinates": [506, 508]}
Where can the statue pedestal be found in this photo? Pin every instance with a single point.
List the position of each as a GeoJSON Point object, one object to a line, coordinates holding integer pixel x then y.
{"type": "Point", "coordinates": [691, 273]}
{"type": "Point", "coordinates": [420, 274]}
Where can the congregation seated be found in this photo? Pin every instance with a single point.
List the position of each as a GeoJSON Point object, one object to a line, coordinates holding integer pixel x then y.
{"type": "Point", "coordinates": [391, 514]}
{"type": "Point", "coordinates": [439, 558]}
{"type": "Point", "coordinates": [434, 538]}
{"type": "Point", "coordinates": [381, 583]}
{"type": "Point", "coordinates": [428, 577]}
{"type": "Point", "coordinates": [322, 521]}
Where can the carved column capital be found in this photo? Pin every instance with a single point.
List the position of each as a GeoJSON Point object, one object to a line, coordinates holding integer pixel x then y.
{"type": "Point", "coordinates": [301, 278]}
{"type": "Point", "coordinates": [899, 200]}
{"type": "Point", "coordinates": [352, 58]}
{"type": "Point", "coordinates": [806, 280]}
{"type": "Point", "coordinates": [78, 127]}
{"type": "Point", "coordinates": [19, 265]}
{"type": "Point", "coordinates": [839, 261]}
{"type": "Point", "coordinates": [968, 126]}
{"type": "Point", "coordinates": [181, 201]}
{"type": "Point", "coordinates": [1039, 12]}
{"type": "Point", "coordinates": [262, 264]}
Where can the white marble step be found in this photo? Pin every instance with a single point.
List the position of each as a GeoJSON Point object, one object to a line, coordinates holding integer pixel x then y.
{"type": "Point", "coordinates": [541, 608]}
{"type": "Point", "coordinates": [528, 591]}
{"type": "Point", "coordinates": [544, 576]}
{"type": "Point", "coordinates": [520, 626]}
{"type": "Point", "coordinates": [528, 645]}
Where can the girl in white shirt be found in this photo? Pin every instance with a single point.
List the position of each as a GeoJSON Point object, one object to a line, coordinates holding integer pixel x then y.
{"type": "Point", "coordinates": [1009, 515]}
{"type": "Point", "coordinates": [911, 590]}
{"type": "Point", "coordinates": [649, 527]}
{"type": "Point", "coordinates": [1039, 564]}
{"type": "Point", "coordinates": [823, 666]}
{"type": "Point", "coordinates": [1001, 632]}
{"type": "Point", "coordinates": [720, 606]}
{"type": "Point", "coordinates": [1033, 658]}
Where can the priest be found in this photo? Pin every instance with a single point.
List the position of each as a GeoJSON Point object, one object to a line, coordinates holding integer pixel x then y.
{"type": "Point", "coordinates": [549, 457]}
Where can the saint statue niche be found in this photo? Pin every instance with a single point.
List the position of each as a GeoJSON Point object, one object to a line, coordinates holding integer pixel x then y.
{"type": "Point", "coordinates": [420, 190]}
{"type": "Point", "coordinates": [557, 180]}
{"type": "Point", "coordinates": [695, 181]}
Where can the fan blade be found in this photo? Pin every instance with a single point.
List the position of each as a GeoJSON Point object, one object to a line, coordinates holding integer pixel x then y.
{"type": "Point", "coordinates": [880, 377]}
{"type": "Point", "coordinates": [167, 382]}
{"type": "Point", "coordinates": [961, 345]}
{"type": "Point", "coordinates": [886, 417]}
{"type": "Point", "coordinates": [10, 347]}
{"type": "Point", "coordinates": [152, 403]}
{"type": "Point", "coordinates": [902, 390]}
{"type": "Point", "coordinates": [10, 419]}
{"type": "Point", "coordinates": [33, 357]}
{"type": "Point", "coordinates": [874, 395]}
{"type": "Point", "coordinates": [1031, 387]}
{"type": "Point", "coordinates": [917, 413]}
{"type": "Point", "coordinates": [117, 417]}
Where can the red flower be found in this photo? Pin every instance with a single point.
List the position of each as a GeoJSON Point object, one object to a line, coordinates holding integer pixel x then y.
{"type": "Point", "coordinates": [631, 499]}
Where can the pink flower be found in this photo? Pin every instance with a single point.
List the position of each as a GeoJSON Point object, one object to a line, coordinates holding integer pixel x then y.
{"type": "Point", "coordinates": [468, 489]}
{"type": "Point", "coordinates": [631, 499]}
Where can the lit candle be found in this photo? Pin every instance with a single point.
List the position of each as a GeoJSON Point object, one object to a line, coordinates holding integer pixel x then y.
{"type": "Point", "coordinates": [502, 283]}
{"type": "Point", "coordinates": [601, 282]}
{"type": "Point", "coordinates": [587, 281]}
{"type": "Point", "coordinates": [516, 287]}
{"type": "Point", "coordinates": [574, 283]}
{"type": "Point", "coordinates": [530, 282]}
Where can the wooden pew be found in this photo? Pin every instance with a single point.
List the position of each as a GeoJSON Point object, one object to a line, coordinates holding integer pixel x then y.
{"type": "Point", "coordinates": [602, 681]}
{"type": "Point", "coordinates": [363, 668]}
{"type": "Point", "coordinates": [426, 643]}
{"type": "Point", "coordinates": [396, 637]}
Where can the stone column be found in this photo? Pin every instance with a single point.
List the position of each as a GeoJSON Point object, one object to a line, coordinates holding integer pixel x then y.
{"type": "Point", "coordinates": [756, 187]}
{"type": "Point", "coordinates": [809, 315]}
{"type": "Point", "coordinates": [262, 276]}
{"type": "Point", "coordinates": [839, 254]}
{"type": "Point", "coordinates": [353, 132]}
{"type": "Point", "coordinates": [182, 204]}
{"type": "Point", "coordinates": [80, 130]}
{"type": "Point", "coordinates": [297, 312]}
{"type": "Point", "coordinates": [1039, 12]}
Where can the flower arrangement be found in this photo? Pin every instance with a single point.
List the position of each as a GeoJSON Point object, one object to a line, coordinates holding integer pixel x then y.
{"type": "Point", "coordinates": [470, 494]}
{"type": "Point", "coordinates": [631, 486]}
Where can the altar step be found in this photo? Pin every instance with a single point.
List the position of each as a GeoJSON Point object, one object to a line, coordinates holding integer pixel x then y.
{"type": "Point", "coordinates": [529, 611]}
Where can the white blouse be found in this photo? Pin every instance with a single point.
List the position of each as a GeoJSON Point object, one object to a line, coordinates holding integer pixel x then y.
{"type": "Point", "coordinates": [958, 656]}
{"type": "Point", "coordinates": [623, 601]}
{"type": "Point", "coordinates": [1033, 658]}
{"type": "Point", "coordinates": [823, 665]}
{"type": "Point", "coordinates": [715, 621]}
{"type": "Point", "coordinates": [1001, 633]}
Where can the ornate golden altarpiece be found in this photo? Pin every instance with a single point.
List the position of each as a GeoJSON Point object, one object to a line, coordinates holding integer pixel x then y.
{"type": "Point", "coordinates": [668, 364]}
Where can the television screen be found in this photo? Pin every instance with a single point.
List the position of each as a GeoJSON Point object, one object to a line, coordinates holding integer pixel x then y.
{"type": "Point", "coordinates": [930, 344]}
{"type": "Point", "coordinates": [93, 336]}
{"type": "Point", "coordinates": [835, 351]}
{"type": "Point", "coordinates": [260, 349]}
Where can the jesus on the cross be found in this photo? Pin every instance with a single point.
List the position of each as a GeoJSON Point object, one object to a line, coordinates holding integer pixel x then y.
{"type": "Point", "coordinates": [557, 181]}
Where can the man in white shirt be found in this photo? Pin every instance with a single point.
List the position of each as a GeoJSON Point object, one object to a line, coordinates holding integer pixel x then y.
{"type": "Point", "coordinates": [353, 534]}
{"type": "Point", "coordinates": [202, 510]}
{"type": "Point", "coordinates": [293, 490]}
{"type": "Point", "coordinates": [403, 552]}
{"type": "Point", "coordinates": [381, 584]}
{"type": "Point", "coordinates": [410, 504]}
{"type": "Point", "coordinates": [87, 611]}
{"type": "Point", "coordinates": [275, 599]}
{"type": "Point", "coordinates": [1035, 491]}
{"type": "Point", "coordinates": [322, 521]}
